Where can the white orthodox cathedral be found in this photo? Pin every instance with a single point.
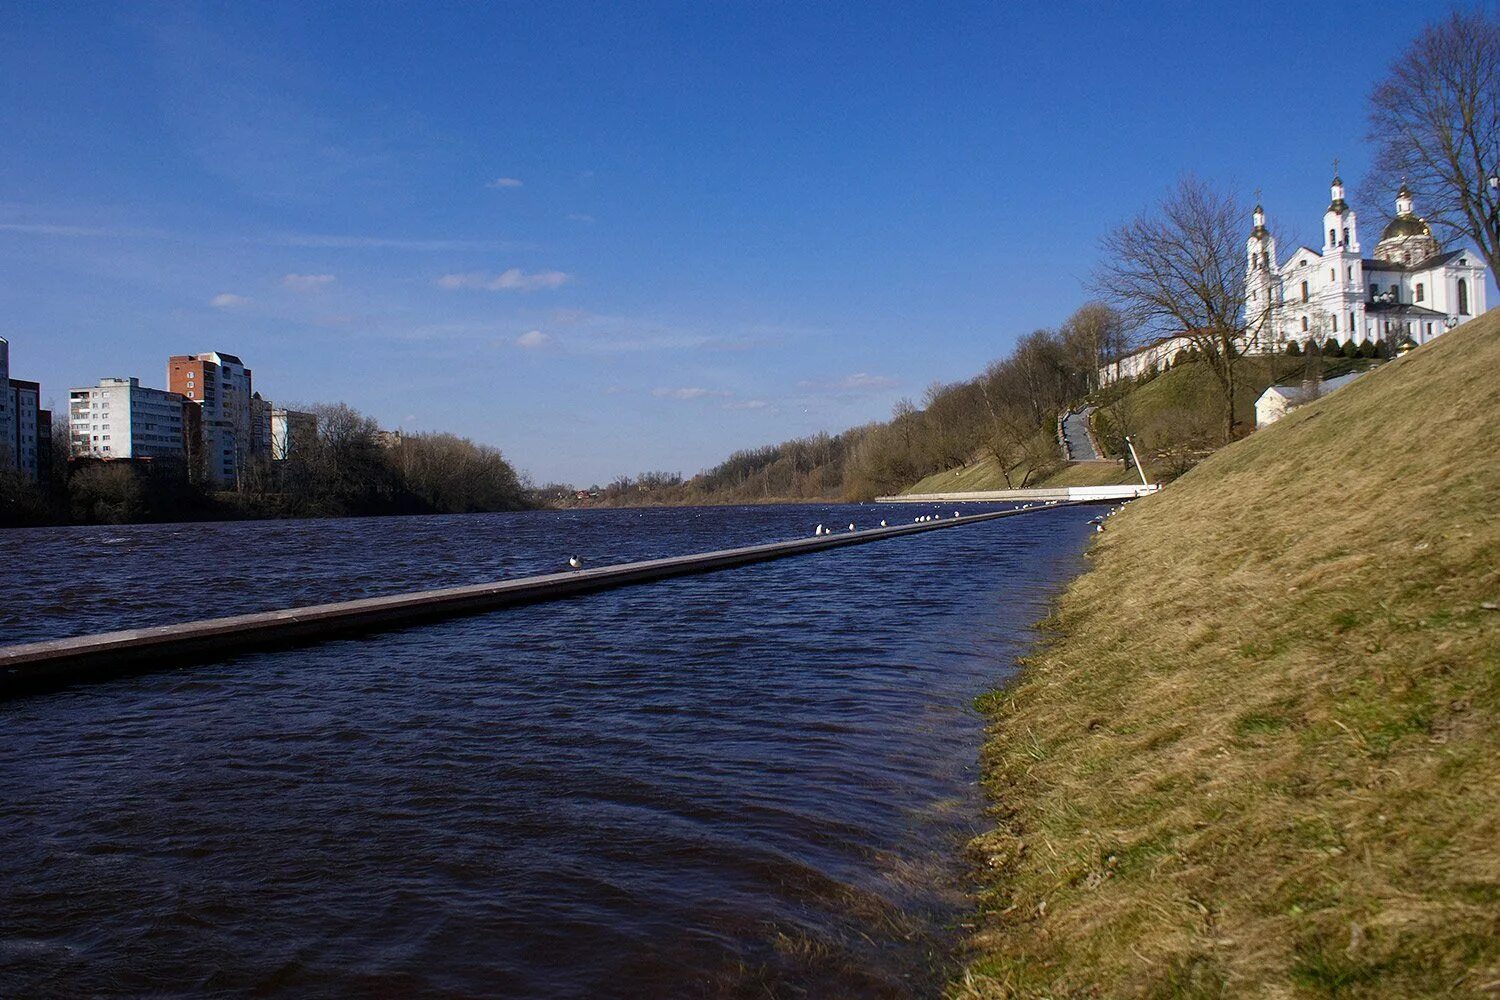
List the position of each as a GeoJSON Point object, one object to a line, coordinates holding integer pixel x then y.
{"type": "Point", "coordinates": [1408, 290]}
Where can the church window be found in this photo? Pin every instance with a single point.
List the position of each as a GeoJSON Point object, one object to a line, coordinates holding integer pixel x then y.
{"type": "Point", "coordinates": [1374, 291]}
{"type": "Point", "coordinates": [1463, 297]}
{"type": "Point", "coordinates": [1304, 324]}
{"type": "Point", "coordinates": [1333, 275]}
{"type": "Point", "coordinates": [1419, 296]}
{"type": "Point", "coordinates": [1332, 237]}
{"type": "Point", "coordinates": [1346, 235]}
{"type": "Point", "coordinates": [1395, 293]}
{"type": "Point", "coordinates": [1351, 322]}
{"type": "Point", "coordinates": [1351, 272]}
{"type": "Point", "coordinates": [1304, 291]}
{"type": "Point", "coordinates": [1335, 324]}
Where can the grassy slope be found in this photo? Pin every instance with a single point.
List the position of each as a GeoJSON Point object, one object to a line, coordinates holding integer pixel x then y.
{"type": "Point", "coordinates": [1260, 756]}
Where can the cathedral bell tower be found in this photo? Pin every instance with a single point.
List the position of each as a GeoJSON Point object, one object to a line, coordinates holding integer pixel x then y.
{"type": "Point", "coordinates": [1260, 282]}
{"type": "Point", "coordinates": [1339, 224]}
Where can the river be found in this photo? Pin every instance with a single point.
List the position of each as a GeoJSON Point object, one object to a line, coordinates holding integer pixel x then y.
{"type": "Point", "coordinates": [743, 784]}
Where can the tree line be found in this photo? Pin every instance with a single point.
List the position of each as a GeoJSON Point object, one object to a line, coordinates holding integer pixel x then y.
{"type": "Point", "coordinates": [347, 468]}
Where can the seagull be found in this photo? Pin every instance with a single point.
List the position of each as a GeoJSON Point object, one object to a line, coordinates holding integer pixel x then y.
{"type": "Point", "coordinates": [819, 531]}
{"type": "Point", "coordinates": [575, 562]}
{"type": "Point", "coordinates": [851, 527]}
{"type": "Point", "coordinates": [882, 523]}
{"type": "Point", "coordinates": [955, 513]}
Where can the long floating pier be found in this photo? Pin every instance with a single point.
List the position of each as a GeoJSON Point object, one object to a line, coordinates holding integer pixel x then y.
{"type": "Point", "coordinates": [40, 665]}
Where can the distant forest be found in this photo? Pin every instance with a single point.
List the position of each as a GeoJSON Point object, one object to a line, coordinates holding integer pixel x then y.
{"type": "Point", "coordinates": [345, 470]}
{"type": "Point", "coordinates": [1007, 413]}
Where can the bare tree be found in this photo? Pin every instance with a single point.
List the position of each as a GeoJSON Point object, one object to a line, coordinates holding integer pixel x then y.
{"type": "Point", "coordinates": [1435, 123]}
{"type": "Point", "coordinates": [1178, 271]}
{"type": "Point", "coordinates": [1095, 334]}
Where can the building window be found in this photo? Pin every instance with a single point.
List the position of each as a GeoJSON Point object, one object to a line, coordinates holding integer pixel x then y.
{"type": "Point", "coordinates": [1395, 293]}
{"type": "Point", "coordinates": [1351, 272]}
{"type": "Point", "coordinates": [1374, 291]}
{"type": "Point", "coordinates": [1304, 291]}
{"type": "Point", "coordinates": [1346, 235]}
{"type": "Point", "coordinates": [1332, 237]}
{"type": "Point", "coordinates": [1419, 296]}
{"type": "Point", "coordinates": [1304, 324]}
{"type": "Point", "coordinates": [1335, 324]}
{"type": "Point", "coordinates": [1351, 322]}
{"type": "Point", "coordinates": [1332, 276]}
{"type": "Point", "coordinates": [1463, 297]}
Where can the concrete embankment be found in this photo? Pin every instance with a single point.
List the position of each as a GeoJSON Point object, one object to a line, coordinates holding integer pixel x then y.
{"type": "Point", "coordinates": [1059, 494]}
{"type": "Point", "coordinates": [45, 664]}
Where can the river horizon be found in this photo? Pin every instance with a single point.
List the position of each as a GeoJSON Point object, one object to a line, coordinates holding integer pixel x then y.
{"type": "Point", "coordinates": [747, 783]}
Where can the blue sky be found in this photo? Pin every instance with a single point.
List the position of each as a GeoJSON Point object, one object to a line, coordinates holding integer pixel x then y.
{"type": "Point", "coordinates": [609, 238]}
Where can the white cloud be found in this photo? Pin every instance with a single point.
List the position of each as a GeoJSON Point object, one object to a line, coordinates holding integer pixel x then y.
{"type": "Point", "coordinates": [689, 392]}
{"type": "Point", "coordinates": [580, 217]}
{"type": "Point", "coordinates": [858, 382]}
{"type": "Point", "coordinates": [533, 339]}
{"type": "Point", "coordinates": [511, 280]}
{"type": "Point", "coordinates": [505, 182]}
{"type": "Point", "coordinates": [226, 300]}
{"type": "Point", "coordinates": [335, 242]}
{"type": "Point", "coordinates": [747, 404]}
{"type": "Point", "coordinates": [307, 282]}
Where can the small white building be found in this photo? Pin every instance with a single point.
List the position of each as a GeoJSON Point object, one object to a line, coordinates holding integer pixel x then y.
{"type": "Point", "coordinates": [120, 418]}
{"type": "Point", "coordinates": [1279, 400]}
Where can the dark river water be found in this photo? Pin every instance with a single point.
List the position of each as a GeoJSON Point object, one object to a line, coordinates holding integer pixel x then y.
{"type": "Point", "coordinates": [752, 783]}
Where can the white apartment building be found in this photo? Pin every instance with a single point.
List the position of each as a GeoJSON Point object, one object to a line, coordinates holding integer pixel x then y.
{"type": "Point", "coordinates": [291, 432]}
{"type": "Point", "coordinates": [120, 418]}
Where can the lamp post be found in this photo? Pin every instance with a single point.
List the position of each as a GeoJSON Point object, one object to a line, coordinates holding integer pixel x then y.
{"type": "Point", "coordinates": [1495, 200]}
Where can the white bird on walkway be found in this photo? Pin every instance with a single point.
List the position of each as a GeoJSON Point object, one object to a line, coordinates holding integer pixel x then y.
{"type": "Point", "coordinates": [882, 522]}
{"type": "Point", "coordinates": [955, 513]}
{"type": "Point", "coordinates": [819, 531]}
{"type": "Point", "coordinates": [575, 562]}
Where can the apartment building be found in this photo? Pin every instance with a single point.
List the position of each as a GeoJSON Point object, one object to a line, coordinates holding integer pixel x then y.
{"type": "Point", "coordinates": [292, 432]}
{"type": "Point", "coordinates": [25, 428]}
{"type": "Point", "coordinates": [120, 418]}
{"type": "Point", "coordinates": [220, 386]}
{"type": "Point", "coordinates": [7, 409]}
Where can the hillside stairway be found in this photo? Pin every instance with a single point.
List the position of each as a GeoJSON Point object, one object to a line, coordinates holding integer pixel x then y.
{"type": "Point", "coordinates": [1078, 446]}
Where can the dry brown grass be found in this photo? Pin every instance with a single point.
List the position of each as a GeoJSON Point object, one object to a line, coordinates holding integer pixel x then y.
{"type": "Point", "coordinates": [1260, 756]}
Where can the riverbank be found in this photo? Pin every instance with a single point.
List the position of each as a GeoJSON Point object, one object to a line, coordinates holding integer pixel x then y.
{"type": "Point", "coordinates": [1259, 755]}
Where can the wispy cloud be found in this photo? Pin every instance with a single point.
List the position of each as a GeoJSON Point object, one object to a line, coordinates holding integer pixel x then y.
{"type": "Point", "coordinates": [335, 242]}
{"type": "Point", "coordinates": [580, 217]}
{"type": "Point", "coordinates": [505, 182]}
{"type": "Point", "coordinates": [747, 404]}
{"type": "Point", "coordinates": [858, 382]}
{"type": "Point", "coordinates": [49, 229]}
{"type": "Point", "coordinates": [307, 282]}
{"type": "Point", "coordinates": [312, 241]}
{"type": "Point", "coordinates": [510, 280]}
{"type": "Point", "coordinates": [228, 300]}
{"type": "Point", "coordinates": [533, 339]}
{"type": "Point", "coordinates": [689, 392]}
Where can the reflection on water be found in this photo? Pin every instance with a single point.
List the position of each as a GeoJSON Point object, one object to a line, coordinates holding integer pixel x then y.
{"type": "Point", "coordinates": [751, 783]}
